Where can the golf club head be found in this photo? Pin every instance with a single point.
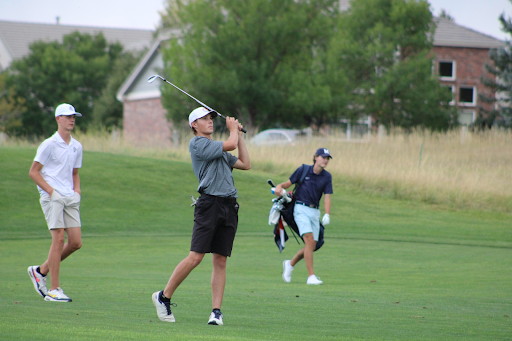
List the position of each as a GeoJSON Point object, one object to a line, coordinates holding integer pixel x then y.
{"type": "Point", "coordinates": [152, 78]}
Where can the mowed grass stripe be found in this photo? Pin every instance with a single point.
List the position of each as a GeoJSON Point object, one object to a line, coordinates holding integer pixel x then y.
{"type": "Point", "coordinates": [372, 290]}
{"type": "Point", "coordinates": [392, 270]}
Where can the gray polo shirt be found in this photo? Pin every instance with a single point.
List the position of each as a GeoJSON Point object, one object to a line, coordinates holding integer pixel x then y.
{"type": "Point", "coordinates": [212, 167]}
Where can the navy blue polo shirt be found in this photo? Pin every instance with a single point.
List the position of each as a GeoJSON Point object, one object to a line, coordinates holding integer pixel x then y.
{"type": "Point", "coordinates": [314, 185]}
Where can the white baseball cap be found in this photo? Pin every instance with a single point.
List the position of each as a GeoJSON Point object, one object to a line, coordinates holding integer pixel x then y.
{"type": "Point", "coordinates": [198, 113]}
{"type": "Point", "coordinates": [66, 110]}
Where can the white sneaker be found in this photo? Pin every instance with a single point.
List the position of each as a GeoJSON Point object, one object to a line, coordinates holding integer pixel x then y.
{"type": "Point", "coordinates": [216, 318]}
{"type": "Point", "coordinates": [57, 295]}
{"type": "Point", "coordinates": [38, 280]}
{"type": "Point", "coordinates": [287, 271]}
{"type": "Point", "coordinates": [163, 309]}
{"type": "Point", "coordinates": [313, 280]}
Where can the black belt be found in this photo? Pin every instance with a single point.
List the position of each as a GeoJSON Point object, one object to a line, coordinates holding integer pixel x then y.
{"type": "Point", "coordinates": [308, 205]}
{"type": "Point", "coordinates": [229, 200]}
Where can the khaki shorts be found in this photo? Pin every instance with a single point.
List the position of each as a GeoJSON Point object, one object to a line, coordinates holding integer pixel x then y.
{"type": "Point", "coordinates": [61, 212]}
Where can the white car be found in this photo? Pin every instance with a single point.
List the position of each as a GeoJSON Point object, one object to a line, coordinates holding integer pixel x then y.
{"type": "Point", "coordinates": [273, 137]}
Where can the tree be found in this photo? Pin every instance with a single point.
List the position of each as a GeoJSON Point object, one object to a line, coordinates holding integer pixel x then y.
{"type": "Point", "coordinates": [500, 83]}
{"type": "Point", "coordinates": [445, 15]}
{"type": "Point", "coordinates": [384, 49]}
{"type": "Point", "coordinates": [259, 60]}
{"type": "Point", "coordinates": [11, 109]}
{"type": "Point", "coordinates": [170, 17]}
{"type": "Point", "coordinates": [74, 71]}
{"type": "Point", "coordinates": [107, 110]}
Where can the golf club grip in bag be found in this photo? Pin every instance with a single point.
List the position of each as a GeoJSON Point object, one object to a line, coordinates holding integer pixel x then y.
{"type": "Point", "coordinates": [287, 211]}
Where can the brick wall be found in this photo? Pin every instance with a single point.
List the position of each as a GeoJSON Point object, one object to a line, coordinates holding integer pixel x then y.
{"type": "Point", "coordinates": [470, 68]}
{"type": "Point", "coordinates": [145, 123]}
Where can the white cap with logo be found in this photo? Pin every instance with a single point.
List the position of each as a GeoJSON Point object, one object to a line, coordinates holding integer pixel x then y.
{"type": "Point", "coordinates": [66, 110]}
{"type": "Point", "coordinates": [198, 113]}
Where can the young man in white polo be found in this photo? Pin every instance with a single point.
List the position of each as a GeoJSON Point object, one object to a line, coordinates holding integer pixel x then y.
{"type": "Point", "coordinates": [55, 171]}
{"type": "Point", "coordinates": [317, 182]}
{"type": "Point", "coordinates": [216, 210]}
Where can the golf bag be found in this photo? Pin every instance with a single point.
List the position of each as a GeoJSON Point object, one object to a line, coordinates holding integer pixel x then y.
{"type": "Point", "coordinates": [285, 209]}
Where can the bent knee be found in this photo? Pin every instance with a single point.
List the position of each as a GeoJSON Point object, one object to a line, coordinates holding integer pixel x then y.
{"type": "Point", "coordinates": [77, 246]}
{"type": "Point", "coordinates": [308, 237]}
{"type": "Point", "coordinates": [195, 258]}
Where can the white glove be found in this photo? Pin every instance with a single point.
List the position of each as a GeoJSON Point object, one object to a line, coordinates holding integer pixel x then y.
{"type": "Point", "coordinates": [284, 194]}
{"type": "Point", "coordinates": [326, 220]}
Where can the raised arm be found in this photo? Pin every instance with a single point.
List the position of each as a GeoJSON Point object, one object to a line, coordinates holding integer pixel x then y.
{"type": "Point", "coordinates": [243, 162]}
{"type": "Point", "coordinates": [232, 142]}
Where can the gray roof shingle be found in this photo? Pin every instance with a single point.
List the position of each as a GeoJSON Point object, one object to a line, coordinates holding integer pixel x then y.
{"type": "Point", "coordinates": [17, 36]}
{"type": "Point", "coordinates": [448, 33]}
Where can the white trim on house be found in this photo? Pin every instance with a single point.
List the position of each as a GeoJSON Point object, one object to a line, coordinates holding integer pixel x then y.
{"type": "Point", "coordinates": [136, 71]}
{"type": "Point", "coordinates": [123, 91]}
{"type": "Point", "coordinates": [136, 96]}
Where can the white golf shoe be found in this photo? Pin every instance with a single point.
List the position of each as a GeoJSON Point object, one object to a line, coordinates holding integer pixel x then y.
{"type": "Point", "coordinates": [163, 309]}
{"type": "Point", "coordinates": [57, 295]}
{"type": "Point", "coordinates": [216, 318]}
{"type": "Point", "coordinates": [287, 271]}
{"type": "Point", "coordinates": [313, 280]}
{"type": "Point", "coordinates": [38, 280]}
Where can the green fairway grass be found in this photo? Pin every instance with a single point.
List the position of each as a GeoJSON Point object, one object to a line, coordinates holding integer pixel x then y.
{"type": "Point", "coordinates": [392, 270]}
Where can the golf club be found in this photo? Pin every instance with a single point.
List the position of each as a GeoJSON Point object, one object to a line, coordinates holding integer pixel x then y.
{"type": "Point", "coordinates": [271, 183]}
{"type": "Point", "coordinates": [152, 79]}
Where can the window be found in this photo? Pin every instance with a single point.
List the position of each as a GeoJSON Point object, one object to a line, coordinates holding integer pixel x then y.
{"type": "Point", "coordinates": [467, 95]}
{"type": "Point", "coordinates": [466, 117]}
{"type": "Point", "coordinates": [447, 70]}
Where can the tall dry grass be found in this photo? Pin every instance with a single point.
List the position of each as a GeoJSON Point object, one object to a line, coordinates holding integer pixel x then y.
{"type": "Point", "coordinates": [458, 169]}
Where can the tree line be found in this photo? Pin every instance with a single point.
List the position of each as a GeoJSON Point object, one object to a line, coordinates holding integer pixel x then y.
{"type": "Point", "coordinates": [270, 63]}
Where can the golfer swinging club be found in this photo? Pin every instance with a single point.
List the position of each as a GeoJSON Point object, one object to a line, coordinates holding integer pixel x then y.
{"type": "Point", "coordinates": [216, 210]}
{"type": "Point", "coordinates": [318, 181]}
{"type": "Point", "coordinates": [55, 171]}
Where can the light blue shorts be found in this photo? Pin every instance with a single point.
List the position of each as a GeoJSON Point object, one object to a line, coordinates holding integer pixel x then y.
{"type": "Point", "coordinates": [307, 220]}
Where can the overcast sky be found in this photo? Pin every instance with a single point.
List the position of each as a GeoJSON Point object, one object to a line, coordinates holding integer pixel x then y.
{"type": "Point", "coordinates": [479, 15]}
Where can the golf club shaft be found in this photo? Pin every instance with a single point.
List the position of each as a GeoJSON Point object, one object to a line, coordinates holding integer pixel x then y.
{"type": "Point", "coordinates": [152, 78]}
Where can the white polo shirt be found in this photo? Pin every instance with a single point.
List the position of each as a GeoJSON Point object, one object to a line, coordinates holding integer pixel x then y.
{"type": "Point", "coordinates": [58, 160]}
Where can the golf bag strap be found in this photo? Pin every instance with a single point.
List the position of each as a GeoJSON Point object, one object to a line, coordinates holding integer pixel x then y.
{"type": "Point", "coordinates": [305, 171]}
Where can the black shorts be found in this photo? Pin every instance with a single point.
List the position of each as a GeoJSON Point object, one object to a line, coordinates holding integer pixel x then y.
{"type": "Point", "coordinates": [215, 224]}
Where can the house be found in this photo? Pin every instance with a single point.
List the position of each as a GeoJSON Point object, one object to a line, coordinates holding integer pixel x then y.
{"type": "Point", "coordinates": [460, 58]}
{"type": "Point", "coordinates": [16, 37]}
{"type": "Point", "coordinates": [145, 121]}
